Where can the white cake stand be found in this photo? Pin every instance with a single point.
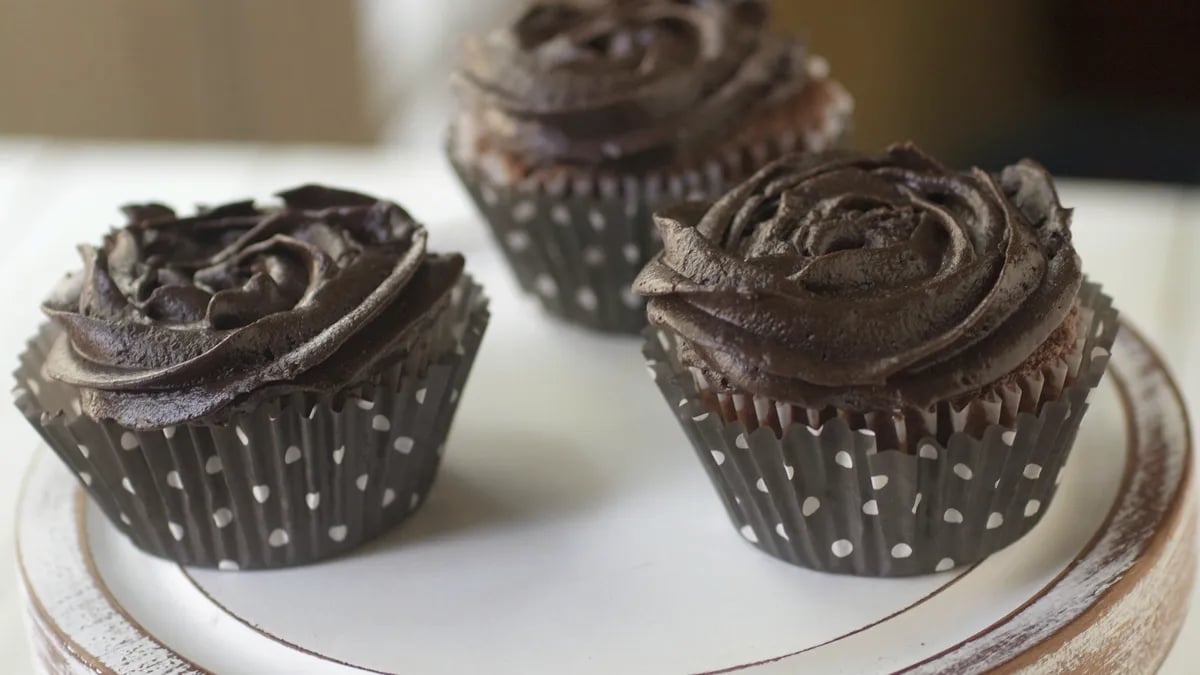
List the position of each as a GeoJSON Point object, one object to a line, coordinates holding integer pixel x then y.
{"type": "Point", "coordinates": [572, 531]}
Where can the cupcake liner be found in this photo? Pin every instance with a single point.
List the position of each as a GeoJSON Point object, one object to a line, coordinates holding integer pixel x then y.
{"type": "Point", "coordinates": [300, 478]}
{"type": "Point", "coordinates": [839, 498]}
{"type": "Point", "coordinates": [577, 240]}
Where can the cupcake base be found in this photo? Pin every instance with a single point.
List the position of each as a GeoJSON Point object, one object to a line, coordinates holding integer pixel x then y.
{"type": "Point", "coordinates": [831, 499]}
{"type": "Point", "coordinates": [299, 479]}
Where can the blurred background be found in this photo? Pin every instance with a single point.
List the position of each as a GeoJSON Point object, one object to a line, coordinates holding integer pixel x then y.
{"type": "Point", "coordinates": [974, 82]}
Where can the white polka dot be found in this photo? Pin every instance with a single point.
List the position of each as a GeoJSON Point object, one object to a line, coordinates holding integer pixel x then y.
{"type": "Point", "coordinates": [996, 485]}
{"type": "Point", "coordinates": [749, 534]}
{"type": "Point", "coordinates": [361, 482]}
{"type": "Point", "coordinates": [337, 533]}
{"type": "Point", "coordinates": [524, 211]}
{"type": "Point", "coordinates": [313, 500]}
{"type": "Point", "coordinates": [176, 530]}
{"type": "Point", "coordinates": [810, 506]}
{"type": "Point", "coordinates": [228, 566]}
{"type": "Point", "coordinates": [339, 455]}
{"type": "Point", "coordinates": [381, 423]}
{"type": "Point", "coordinates": [586, 298]}
{"type": "Point", "coordinates": [312, 413]}
{"type": "Point", "coordinates": [517, 240]}
{"type": "Point", "coordinates": [420, 395]}
{"type": "Point", "coordinates": [780, 531]}
{"type": "Point", "coordinates": [718, 457]}
{"type": "Point", "coordinates": [403, 444]}
{"type": "Point", "coordinates": [241, 434]}
{"type": "Point", "coordinates": [916, 502]}
{"type": "Point", "coordinates": [879, 482]}
{"type": "Point", "coordinates": [413, 501]}
{"type": "Point", "coordinates": [1008, 437]}
{"type": "Point", "coordinates": [173, 480]}
{"type": "Point", "coordinates": [633, 255]}
{"type": "Point", "coordinates": [128, 486]}
{"type": "Point", "coordinates": [901, 551]}
{"type": "Point", "coordinates": [815, 431]}
{"type": "Point", "coordinates": [700, 418]}
{"type": "Point", "coordinates": [34, 386]}
{"type": "Point", "coordinates": [843, 459]}
{"type": "Point", "coordinates": [546, 285]}
{"type": "Point", "coordinates": [741, 442]}
{"type": "Point", "coordinates": [630, 298]}
{"type": "Point", "coordinates": [866, 432]}
{"type": "Point", "coordinates": [928, 451]}
{"type": "Point", "coordinates": [761, 485]}
{"type": "Point", "coordinates": [83, 450]}
{"type": "Point", "coordinates": [842, 548]}
{"type": "Point", "coordinates": [364, 404]}
{"type": "Point", "coordinates": [291, 455]}
{"type": "Point", "coordinates": [593, 256]}
{"type": "Point", "coordinates": [1097, 352]}
{"type": "Point", "coordinates": [278, 538]}
{"type": "Point", "coordinates": [653, 375]}
{"type": "Point", "coordinates": [169, 432]}
{"type": "Point", "coordinates": [488, 194]}
{"type": "Point", "coordinates": [963, 471]}
{"type": "Point", "coordinates": [994, 520]}
{"type": "Point", "coordinates": [212, 465]}
{"type": "Point", "coordinates": [870, 507]}
{"type": "Point", "coordinates": [389, 496]}
{"type": "Point", "coordinates": [560, 214]}
{"type": "Point", "coordinates": [128, 441]}
{"type": "Point", "coordinates": [222, 517]}
{"type": "Point", "coordinates": [596, 219]}
{"type": "Point", "coordinates": [953, 516]}
{"type": "Point", "coordinates": [1032, 507]}
{"type": "Point", "coordinates": [125, 519]}
{"type": "Point", "coordinates": [944, 565]}
{"type": "Point", "coordinates": [1032, 471]}
{"type": "Point", "coordinates": [261, 493]}
{"type": "Point", "coordinates": [85, 477]}
{"type": "Point", "coordinates": [789, 470]}
{"type": "Point", "coordinates": [1058, 477]}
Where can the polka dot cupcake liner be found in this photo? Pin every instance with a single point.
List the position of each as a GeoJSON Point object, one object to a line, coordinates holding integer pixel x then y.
{"type": "Point", "coordinates": [833, 498]}
{"type": "Point", "coordinates": [298, 479]}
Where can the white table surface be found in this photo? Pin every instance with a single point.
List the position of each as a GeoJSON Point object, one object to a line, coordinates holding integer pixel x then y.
{"type": "Point", "coordinates": [1142, 241]}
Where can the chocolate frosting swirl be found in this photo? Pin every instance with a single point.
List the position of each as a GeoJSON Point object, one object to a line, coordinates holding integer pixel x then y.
{"type": "Point", "coordinates": [178, 319]}
{"type": "Point", "coordinates": [866, 282]}
{"type": "Point", "coordinates": [631, 82]}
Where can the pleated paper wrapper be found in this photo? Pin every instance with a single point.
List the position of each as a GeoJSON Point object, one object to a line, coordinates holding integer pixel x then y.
{"type": "Point", "coordinates": [837, 498]}
{"type": "Point", "coordinates": [299, 479]}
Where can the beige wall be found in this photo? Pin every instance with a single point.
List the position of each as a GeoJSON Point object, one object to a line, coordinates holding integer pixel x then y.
{"type": "Point", "coordinates": [945, 73]}
{"type": "Point", "coordinates": [229, 69]}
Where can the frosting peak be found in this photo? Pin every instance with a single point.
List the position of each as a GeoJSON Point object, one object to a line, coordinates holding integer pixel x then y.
{"type": "Point", "coordinates": [631, 81]}
{"type": "Point", "coordinates": [864, 281]}
{"type": "Point", "coordinates": [175, 319]}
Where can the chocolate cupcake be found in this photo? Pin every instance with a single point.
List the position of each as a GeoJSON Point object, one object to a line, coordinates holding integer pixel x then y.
{"type": "Point", "coordinates": [881, 363]}
{"type": "Point", "coordinates": [580, 118]}
{"type": "Point", "coordinates": [255, 387]}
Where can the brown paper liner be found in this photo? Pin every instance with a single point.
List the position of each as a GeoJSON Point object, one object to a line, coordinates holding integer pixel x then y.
{"type": "Point", "coordinates": [578, 239]}
{"type": "Point", "coordinates": [842, 498]}
{"type": "Point", "coordinates": [298, 479]}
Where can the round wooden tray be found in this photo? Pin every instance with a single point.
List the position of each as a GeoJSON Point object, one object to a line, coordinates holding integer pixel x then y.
{"type": "Point", "coordinates": [591, 542]}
